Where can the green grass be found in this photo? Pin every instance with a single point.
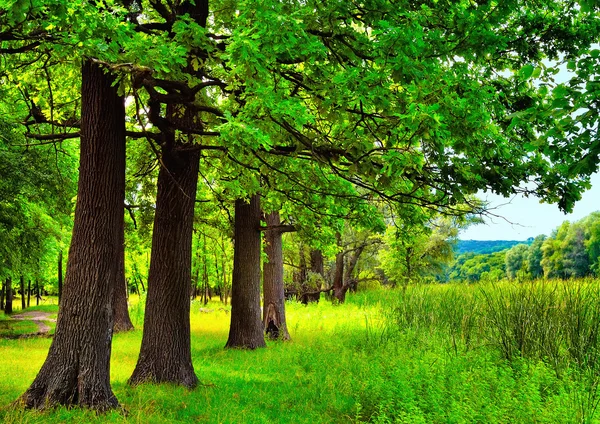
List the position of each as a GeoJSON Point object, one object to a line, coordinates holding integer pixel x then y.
{"type": "Point", "coordinates": [422, 356]}
{"type": "Point", "coordinates": [11, 328]}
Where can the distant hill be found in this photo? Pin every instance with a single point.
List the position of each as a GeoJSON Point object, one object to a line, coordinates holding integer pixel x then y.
{"type": "Point", "coordinates": [486, 246]}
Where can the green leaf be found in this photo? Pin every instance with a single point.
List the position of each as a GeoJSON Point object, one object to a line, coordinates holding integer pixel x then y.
{"type": "Point", "coordinates": [526, 71]}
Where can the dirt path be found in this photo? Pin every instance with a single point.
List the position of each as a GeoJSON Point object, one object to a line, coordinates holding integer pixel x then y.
{"type": "Point", "coordinates": [38, 317]}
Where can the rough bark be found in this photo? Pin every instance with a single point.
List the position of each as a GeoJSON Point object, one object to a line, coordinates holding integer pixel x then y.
{"type": "Point", "coordinates": [246, 329]}
{"type": "Point", "coordinates": [8, 306]}
{"type": "Point", "coordinates": [121, 321]}
{"type": "Point", "coordinates": [77, 369]}
{"type": "Point", "coordinates": [273, 291]}
{"type": "Point", "coordinates": [165, 355]}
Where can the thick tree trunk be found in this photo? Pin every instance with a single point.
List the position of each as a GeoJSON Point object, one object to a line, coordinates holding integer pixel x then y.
{"type": "Point", "coordinates": [60, 275]}
{"type": "Point", "coordinates": [121, 321]}
{"type": "Point", "coordinates": [22, 288]}
{"type": "Point", "coordinates": [246, 329]}
{"type": "Point", "coordinates": [165, 354]}
{"type": "Point", "coordinates": [273, 291]}
{"type": "Point", "coordinates": [8, 306]}
{"type": "Point", "coordinates": [77, 369]}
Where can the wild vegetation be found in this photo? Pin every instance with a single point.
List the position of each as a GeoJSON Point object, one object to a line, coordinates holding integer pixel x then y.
{"type": "Point", "coordinates": [432, 353]}
{"type": "Point", "coordinates": [258, 151]}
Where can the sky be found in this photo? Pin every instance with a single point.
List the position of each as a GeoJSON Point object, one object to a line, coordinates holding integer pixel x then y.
{"type": "Point", "coordinates": [527, 217]}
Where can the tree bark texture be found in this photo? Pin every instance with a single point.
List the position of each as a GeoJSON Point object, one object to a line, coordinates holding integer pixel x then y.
{"type": "Point", "coordinates": [8, 306]}
{"type": "Point", "coordinates": [77, 369]}
{"type": "Point", "coordinates": [273, 290]}
{"type": "Point", "coordinates": [121, 322]}
{"type": "Point", "coordinates": [246, 329]}
{"type": "Point", "coordinates": [165, 355]}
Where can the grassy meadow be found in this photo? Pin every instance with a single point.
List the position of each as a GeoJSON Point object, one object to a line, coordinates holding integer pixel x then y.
{"type": "Point", "coordinates": [505, 353]}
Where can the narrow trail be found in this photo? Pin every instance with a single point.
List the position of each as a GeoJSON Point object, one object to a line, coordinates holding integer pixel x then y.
{"type": "Point", "coordinates": [38, 317]}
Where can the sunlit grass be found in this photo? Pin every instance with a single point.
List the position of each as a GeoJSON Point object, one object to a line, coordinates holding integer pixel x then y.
{"type": "Point", "coordinates": [345, 363]}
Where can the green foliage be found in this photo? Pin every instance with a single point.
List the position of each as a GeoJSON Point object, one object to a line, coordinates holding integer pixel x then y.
{"type": "Point", "coordinates": [37, 186]}
{"type": "Point", "coordinates": [571, 251]}
{"type": "Point", "coordinates": [414, 253]}
{"type": "Point", "coordinates": [483, 247]}
{"type": "Point", "coordinates": [470, 267]}
{"type": "Point", "coordinates": [516, 261]}
{"type": "Point", "coordinates": [534, 257]}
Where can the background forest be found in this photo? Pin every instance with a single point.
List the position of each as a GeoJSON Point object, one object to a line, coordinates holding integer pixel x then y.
{"type": "Point", "coordinates": [181, 176]}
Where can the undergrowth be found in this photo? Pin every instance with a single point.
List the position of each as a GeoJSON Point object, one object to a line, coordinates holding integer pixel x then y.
{"type": "Point", "coordinates": [447, 354]}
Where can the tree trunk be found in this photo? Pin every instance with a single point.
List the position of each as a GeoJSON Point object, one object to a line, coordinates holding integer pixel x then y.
{"type": "Point", "coordinates": [165, 355]}
{"type": "Point", "coordinates": [60, 275]}
{"type": "Point", "coordinates": [339, 291]}
{"type": "Point", "coordinates": [246, 329]}
{"type": "Point", "coordinates": [317, 263]}
{"type": "Point", "coordinates": [205, 271]}
{"type": "Point", "coordinates": [273, 292]}
{"type": "Point", "coordinates": [28, 292]}
{"type": "Point", "coordinates": [196, 279]}
{"type": "Point", "coordinates": [226, 287]}
{"type": "Point", "coordinates": [77, 369]}
{"type": "Point", "coordinates": [2, 294]}
{"type": "Point", "coordinates": [303, 272]}
{"type": "Point", "coordinates": [349, 282]}
{"type": "Point", "coordinates": [8, 307]}
{"type": "Point", "coordinates": [22, 288]}
{"type": "Point", "coordinates": [37, 293]}
{"type": "Point", "coordinates": [121, 321]}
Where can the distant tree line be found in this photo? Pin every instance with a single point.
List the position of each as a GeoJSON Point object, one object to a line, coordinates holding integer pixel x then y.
{"type": "Point", "coordinates": [571, 251]}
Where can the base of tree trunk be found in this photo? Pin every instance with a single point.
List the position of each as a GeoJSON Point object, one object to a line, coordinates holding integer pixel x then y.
{"type": "Point", "coordinates": [68, 388]}
{"type": "Point", "coordinates": [339, 294]}
{"type": "Point", "coordinates": [122, 327]}
{"type": "Point", "coordinates": [164, 371]}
